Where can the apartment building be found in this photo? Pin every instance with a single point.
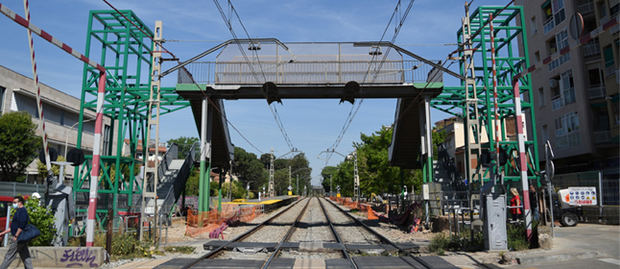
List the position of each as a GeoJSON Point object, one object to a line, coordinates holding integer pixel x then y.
{"type": "Point", "coordinates": [17, 93]}
{"type": "Point", "coordinates": [574, 46]}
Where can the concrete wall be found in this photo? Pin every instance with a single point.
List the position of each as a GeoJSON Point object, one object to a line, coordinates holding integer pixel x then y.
{"type": "Point", "coordinates": [62, 257]}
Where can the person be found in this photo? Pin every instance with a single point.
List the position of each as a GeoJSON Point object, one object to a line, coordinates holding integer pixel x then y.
{"type": "Point", "coordinates": [18, 224]}
{"type": "Point", "coordinates": [515, 203]}
{"type": "Point", "coordinates": [534, 202]}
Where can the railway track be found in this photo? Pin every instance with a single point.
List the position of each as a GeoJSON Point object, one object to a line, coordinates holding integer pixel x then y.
{"type": "Point", "coordinates": [342, 242]}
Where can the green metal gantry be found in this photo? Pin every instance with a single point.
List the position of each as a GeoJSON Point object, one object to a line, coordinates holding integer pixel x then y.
{"type": "Point", "coordinates": [124, 45]}
{"type": "Point", "coordinates": [510, 62]}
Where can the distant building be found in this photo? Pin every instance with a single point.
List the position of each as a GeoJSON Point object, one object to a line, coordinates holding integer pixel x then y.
{"type": "Point", "coordinates": [161, 151]}
{"type": "Point", "coordinates": [455, 139]}
{"type": "Point", "coordinates": [61, 113]}
{"type": "Point", "coordinates": [575, 86]}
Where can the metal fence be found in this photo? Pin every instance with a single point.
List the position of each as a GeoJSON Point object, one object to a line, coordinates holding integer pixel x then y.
{"type": "Point", "coordinates": [16, 188]}
{"type": "Point", "coordinates": [606, 186]}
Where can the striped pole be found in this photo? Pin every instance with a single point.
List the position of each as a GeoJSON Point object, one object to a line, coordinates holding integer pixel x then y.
{"type": "Point", "coordinates": [48, 163]}
{"type": "Point", "coordinates": [94, 174]}
{"type": "Point", "coordinates": [45, 35]}
{"type": "Point", "coordinates": [520, 122]}
{"type": "Point", "coordinates": [92, 201]}
{"type": "Point", "coordinates": [497, 122]}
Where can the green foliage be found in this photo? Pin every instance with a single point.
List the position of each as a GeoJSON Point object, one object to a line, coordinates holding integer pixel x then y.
{"type": "Point", "coordinates": [43, 219]}
{"type": "Point", "coordinates": [18, 144]}
{"type": "Point", "coordinates": [249, 169]}
{"type": "Point", "coordinates": [517, 237]}
{"type": "Point", "coordinates": [180, 249]}
{"type": "Point", "coordinates": [439, 137]}
{"type": "Point", "coordinates": [42, 169]}
{"type": "Point", "coordinates": [185, 144]}
{"type": "Point", "coordinates": [237, 189]}
{"type": "Point", "coordinates": [125, 245]}
{"type": "Point", "coordinates": [461, 242]}
{"type": "Point", "coordinates": [376, 174]}
{"type": "Point", "coordinates": [193, 181]}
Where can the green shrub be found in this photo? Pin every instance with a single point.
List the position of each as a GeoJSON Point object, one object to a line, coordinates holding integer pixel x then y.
{"type": "Point", "coordinates": [43, 219]}
{"type": "Point", "coordinates": [439, 243]}
{"type": "Point", "coordinates": [125, 245]}
{"type": "Point", "coordinates": [180, 249]}
{"type": "Point", "coordinates": [517, 237]}
{"type": "Point", "coordinates": [460, 242]}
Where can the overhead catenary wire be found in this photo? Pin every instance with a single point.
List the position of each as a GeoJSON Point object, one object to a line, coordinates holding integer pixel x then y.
{"type": "Point", "coordinates": [227, 21]}
{"type": "Point", "coordinates": [193, 81]}
{"type": "Point", "coordinates": [354, 109]}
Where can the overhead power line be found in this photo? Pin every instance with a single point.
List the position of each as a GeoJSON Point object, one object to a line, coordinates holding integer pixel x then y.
{"type": "Point", "coordinates": [227, 21]}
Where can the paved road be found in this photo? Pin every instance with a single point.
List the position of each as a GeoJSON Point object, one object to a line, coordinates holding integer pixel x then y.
{"type": "Point", "coordinates": [604, 239]}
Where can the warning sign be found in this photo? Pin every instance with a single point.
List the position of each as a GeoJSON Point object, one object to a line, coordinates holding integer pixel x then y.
{"type": "Point", "coordinates": [579, 195]}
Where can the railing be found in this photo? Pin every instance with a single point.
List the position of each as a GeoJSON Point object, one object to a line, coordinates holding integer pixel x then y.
{"type": "Point", "coordinates": [596, 92]}
{"type": "Point", "coordinates": [308, 72]}
{"type": "Point", "coordinates": [610, 71]}
{"type": "Point", "coordinates": [601, 137]}
{"type": "Point", "coordinates": [585, 7]}
{"type": "Point", "coordinates": [548, 25]}
{"type": "Point", "coordinates": [592, 49]}
{"type": "Point", "coordinates": [557, 103]}
{"type": "Point", "coordinates": [176, 185]}
{"type": "Point", "coordinates": [568, 140]}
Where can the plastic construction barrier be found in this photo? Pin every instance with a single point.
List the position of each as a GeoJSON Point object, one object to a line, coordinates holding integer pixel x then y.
{"type": "Point", "coordinates": [215, 222]}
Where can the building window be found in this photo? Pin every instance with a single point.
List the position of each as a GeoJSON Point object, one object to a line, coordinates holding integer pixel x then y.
{"type": "Point", "coordinates": [106, 141]}
{"type": "Point", "coordinates": [545, 133]}
{"type": "Point", "coordinates": [608, 54]}
{"type": "Point", "coordinates": [558, 11]}
{"type": "Point", "coordinates": [602, 10]}
{"type": "Point", "coordinates": [541, 96]}
{"type": "Point", "coordinates": [2, 90]}
{"type": "Point", "coordinates": [568, 87]}
{"type": "Point", "coordinates": [537, 56]}
{"type": "Point", "coordinates": [533, 25]}
{"type": "Point", "coordinates": [566, 130]}
{"type": "Point", "coordinates": [561, 40]}
{"type": "Point", "coordinates": [548, 22]}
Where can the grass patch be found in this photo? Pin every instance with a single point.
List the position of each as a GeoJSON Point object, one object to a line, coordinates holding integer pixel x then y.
{"type": "Point", "coordinates": [517, 237]}
{"type": "Point", "coordinates": [462, 242]}
{"type": "Point", "coordinates": [180, 249]}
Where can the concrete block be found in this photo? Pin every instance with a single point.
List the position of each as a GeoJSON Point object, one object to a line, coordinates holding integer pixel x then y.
{"type": "Point", "coordinates": [61, 257]}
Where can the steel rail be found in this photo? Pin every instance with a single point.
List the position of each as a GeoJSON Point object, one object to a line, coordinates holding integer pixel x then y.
{"type": "Point", "coordinates": [240, 237]}
{"type": "Point", "coordinates": [345, 251]}
{"type": "Point", "coordinates": [383, 238]}
{"type": "Point", "coordinates": [286, 237]}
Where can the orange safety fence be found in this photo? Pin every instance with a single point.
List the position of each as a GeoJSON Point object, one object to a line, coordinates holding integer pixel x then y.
{"type": "Point", "coordinates": [206, 222]}
{"type": "Point", "coordinates": [348, 202]}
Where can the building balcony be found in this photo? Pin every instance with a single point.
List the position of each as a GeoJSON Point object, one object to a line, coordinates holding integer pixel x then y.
{"type": "Point", "coordinates": [557, 103]}
{"type": "Point", "coordinates": [568, 140]}
{"type": "Point", "coordinates": [585, 8]}
{"type": "Point", "coordinates": [548, 25]}
{"type": "Point", "coordinates": [610, 71]}
{"type": "Point", "coordinates": [596, 92]}
{"type": "Point", "coordinates": [592, 50]}
{"type": "Point", "coordinates": [601, 137]}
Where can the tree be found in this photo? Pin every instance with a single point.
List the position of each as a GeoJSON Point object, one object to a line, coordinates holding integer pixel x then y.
{"type": "Point", "coordinates": [326, 173]}
{"type": "Point", "coordinates": [18, 144]}
{"type": "Point", "coordinates": [185, 144]}
{"type": "Point", "coordinates": [42, 168]}
{"type": "Point", "coordinates": [249, 169]}
{"type": "Point", "coordinates": [376, 174]}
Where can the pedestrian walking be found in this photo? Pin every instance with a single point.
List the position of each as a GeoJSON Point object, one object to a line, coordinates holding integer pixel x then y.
{"type": "Point", "coordinates": [17, 227]}
{"type": "Point", "coordinates": [534, 202]}
{"type": "Point", "coordinates": [515, 204]}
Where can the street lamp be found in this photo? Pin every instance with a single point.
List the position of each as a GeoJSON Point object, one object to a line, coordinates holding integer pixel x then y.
{"type": "Point", "coordinates": [67, 134]}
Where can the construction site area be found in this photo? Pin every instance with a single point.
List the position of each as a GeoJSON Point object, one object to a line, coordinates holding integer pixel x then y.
{"type": "Point", "coordinates": [470, 171]}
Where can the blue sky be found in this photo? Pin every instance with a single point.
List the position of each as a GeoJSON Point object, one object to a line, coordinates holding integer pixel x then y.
{"type": "Point", "coordinates": [313, 125]}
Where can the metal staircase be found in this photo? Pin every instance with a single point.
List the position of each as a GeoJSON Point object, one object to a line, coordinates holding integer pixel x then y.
{"type": "Point", "coordinates": [173, 175]}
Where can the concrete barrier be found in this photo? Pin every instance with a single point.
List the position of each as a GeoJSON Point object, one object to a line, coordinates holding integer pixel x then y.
{"type": "Point", "coordinates": [61, 257]}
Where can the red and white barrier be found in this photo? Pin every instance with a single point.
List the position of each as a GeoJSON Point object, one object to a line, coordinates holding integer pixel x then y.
{"type": "Point", "coordinates": [92, 201]}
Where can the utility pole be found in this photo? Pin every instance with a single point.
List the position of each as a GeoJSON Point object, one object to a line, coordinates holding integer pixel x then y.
{"type": "Point", "coordinates": [290, 187]}
{"type": "Point", "coordinates": [272, 191]}
{"type": "Point", "coordinates": [150, 192]}
{"type": "Point", "coordinates": [331, 190]}
{"type": "Point", "coordinates": [356, 179]}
